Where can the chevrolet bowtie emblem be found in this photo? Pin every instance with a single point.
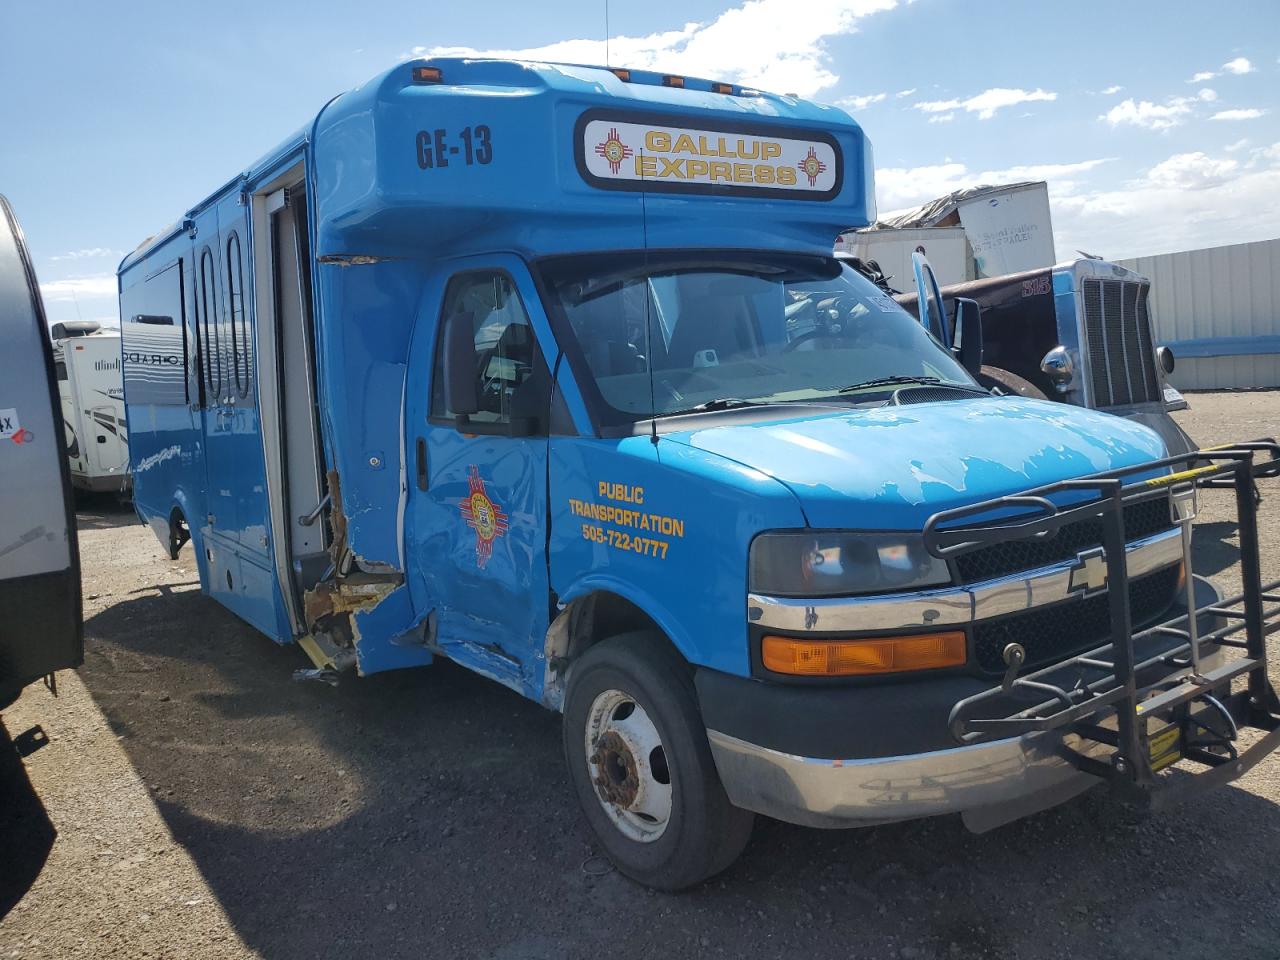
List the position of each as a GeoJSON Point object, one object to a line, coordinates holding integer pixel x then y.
{"type": "Point", "coordinates": [1090, 572]}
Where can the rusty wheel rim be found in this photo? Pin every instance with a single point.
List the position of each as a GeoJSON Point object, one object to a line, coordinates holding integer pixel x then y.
{"type": "Point", "coordinates": [627, 764]}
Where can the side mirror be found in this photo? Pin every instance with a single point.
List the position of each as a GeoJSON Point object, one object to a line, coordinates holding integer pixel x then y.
{"type": "Point", "coordinates": [967, 343]}
{"type": "Point", "coordinates": [1057, 366]}
{"type": "Point", "coordinates": [1166, 358]}
{"type": "Point", "coordinates": [459, 362]}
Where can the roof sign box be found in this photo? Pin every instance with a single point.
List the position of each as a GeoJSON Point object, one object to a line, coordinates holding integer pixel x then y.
{"type": "Point", "coordinates": [666, 154]}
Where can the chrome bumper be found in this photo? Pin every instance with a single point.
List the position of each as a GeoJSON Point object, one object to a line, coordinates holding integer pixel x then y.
{"type": "Point", "coordinates": [989, 783]}
{"type": "Point", "coordinates": [850, 793]}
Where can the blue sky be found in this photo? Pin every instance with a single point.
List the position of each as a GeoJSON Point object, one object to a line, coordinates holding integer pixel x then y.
{"type": "Point", "coordinates": [1157, 124]}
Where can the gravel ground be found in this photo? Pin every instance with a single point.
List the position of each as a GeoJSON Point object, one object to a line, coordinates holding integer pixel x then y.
{"type": "Point", "coordinates": [194, 801]}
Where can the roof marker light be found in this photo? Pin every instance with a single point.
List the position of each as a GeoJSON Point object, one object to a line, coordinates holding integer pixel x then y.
{"type": "Point", "coordinates": [621, 73]}
{"type": "Point", "coordinates": [672, 81]}
{"type": "Point", "coordinates": [722, 88]}
{"type": "Point", "coordinates": [427, 75]}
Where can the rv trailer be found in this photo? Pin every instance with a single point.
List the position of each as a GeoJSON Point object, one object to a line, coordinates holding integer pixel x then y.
{"type": "Point", "coordinates": [87, 359]}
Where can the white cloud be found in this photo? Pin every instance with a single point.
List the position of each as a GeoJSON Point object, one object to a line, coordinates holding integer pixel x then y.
{"type": "Point", "coordinates": [898, 188]}
{"type": "Point", "coordinates": [1155, 116]}
{"type": "Point", "coordinates": [88, 253]}
{"type": "Point", "coordinates": [1192, 171]}
{"type": "Point", "coordinates": [1237, 146]}
{"type": "Point", "coordinates": [1249, 114]}
{"type": "Point", "coordinates": [905, 93]}
{"type": "Point", "coordinates": [986, 104]}
{"type": "Point", "coordinates": [1239, 66]}
{"type": "Point", "coordinates": [1115, 88]}
{"type": "Point", "coordinates": [760, 43]}
{"type": "Point", "coordinates": [1185, 202]}
{"type": "Point", "coordinates": [861, 103]}
{"type": "Point", "coordinates": [97, 285]}
{"type": "Point", "coordinates": [942, 117]}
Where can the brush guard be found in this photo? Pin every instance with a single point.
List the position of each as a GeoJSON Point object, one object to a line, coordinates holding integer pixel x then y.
{"type": "Point", "coordinates": [1114, 720]}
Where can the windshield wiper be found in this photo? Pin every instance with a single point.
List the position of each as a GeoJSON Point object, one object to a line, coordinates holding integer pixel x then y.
{"type": "Point", "coordinates": [887, 382]}
{"type": "Point", "coordinates": [725, 403]}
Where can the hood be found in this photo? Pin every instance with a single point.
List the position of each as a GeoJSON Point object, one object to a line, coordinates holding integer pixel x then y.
{"type": "Point", "coordinates": [890, 468]}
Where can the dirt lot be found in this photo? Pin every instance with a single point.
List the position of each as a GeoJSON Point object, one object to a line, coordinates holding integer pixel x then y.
{"type": "Point", "coordinates": [194, 801]}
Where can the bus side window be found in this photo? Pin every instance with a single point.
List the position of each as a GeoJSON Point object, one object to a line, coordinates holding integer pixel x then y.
{"type": "Point", "coordinates": [208, 308]}
{"type": "Point", "coordinates": [241, 366]}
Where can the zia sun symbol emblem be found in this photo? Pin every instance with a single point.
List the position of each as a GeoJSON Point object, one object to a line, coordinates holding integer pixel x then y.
{"type": "Point", "coordinates": [614, 150]}
{"type": "Point", "coordinates": [811, 166]}
{"type": "Point", "coordinates": [483, 516]}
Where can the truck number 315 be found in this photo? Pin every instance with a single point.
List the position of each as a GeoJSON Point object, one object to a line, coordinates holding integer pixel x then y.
{"type": "Point", "coordinates": [471, 146]}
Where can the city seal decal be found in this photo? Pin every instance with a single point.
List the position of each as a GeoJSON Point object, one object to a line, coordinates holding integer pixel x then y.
{"type": "Point", "coordinates": [483, 516]}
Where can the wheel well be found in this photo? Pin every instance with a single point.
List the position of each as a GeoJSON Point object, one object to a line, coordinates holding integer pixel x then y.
{"type": "Point", "coordinates": [581, 625]}
{"type": "Point", "coordinates": [179, 532]}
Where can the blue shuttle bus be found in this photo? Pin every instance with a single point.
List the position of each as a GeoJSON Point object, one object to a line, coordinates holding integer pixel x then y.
{"type": "Point", "coordinates": [549, 370]}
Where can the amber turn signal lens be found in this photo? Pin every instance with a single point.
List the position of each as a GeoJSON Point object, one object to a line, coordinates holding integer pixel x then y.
{"type": "Point", "coordinates": [849, 658]}
{"type": "Point", "coordinates": [427, 75]}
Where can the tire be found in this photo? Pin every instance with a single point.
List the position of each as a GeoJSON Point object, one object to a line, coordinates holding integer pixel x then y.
{"type": "Point", "coordinates": [703, 833]}
{"type": "Point", "coordinates": [1010, 383]}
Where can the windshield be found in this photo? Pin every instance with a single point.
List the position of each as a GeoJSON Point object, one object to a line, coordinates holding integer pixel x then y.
{"type": "Point", "coordinates": [738, 331]}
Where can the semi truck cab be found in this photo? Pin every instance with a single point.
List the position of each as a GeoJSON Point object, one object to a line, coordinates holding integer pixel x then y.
{"type": "Point", "coordinates": [598, 415]}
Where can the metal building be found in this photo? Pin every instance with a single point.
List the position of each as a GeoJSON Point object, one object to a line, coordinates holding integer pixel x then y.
{"type": "Point", "coordinates": [1219, 310]}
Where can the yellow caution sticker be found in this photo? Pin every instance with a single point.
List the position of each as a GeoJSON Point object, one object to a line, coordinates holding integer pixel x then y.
{"type": "Point", "coordinates": [1179, 477]}
{"type": "Point", "coordinates": [1164, 747]}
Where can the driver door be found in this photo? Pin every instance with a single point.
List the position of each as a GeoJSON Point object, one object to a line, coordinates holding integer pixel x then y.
{"type": "Point", "coordinates": [932, 310]}
{"type": "Point", "coordinates": [476, 533]}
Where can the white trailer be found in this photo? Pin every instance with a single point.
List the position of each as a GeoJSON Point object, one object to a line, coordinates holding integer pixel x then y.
{"type": "Point", "coordinates": [946, 247]}
{"type": "Point", "coordinates": [91, 386]}
{"type": "Point", "coordinates": [971, 234]}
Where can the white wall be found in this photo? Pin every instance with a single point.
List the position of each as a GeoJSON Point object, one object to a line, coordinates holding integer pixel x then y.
{"type": "Point", "coordinates": [1228, 296]}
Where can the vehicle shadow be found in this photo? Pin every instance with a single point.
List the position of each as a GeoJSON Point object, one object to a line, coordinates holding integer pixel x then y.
{"type": "Point", "coordinates": [26, 832]}
{"type": "Point", "coordinates": [427, 813]}
{"type": "Point", "coordinates": [103, 511]}
{"type": "Point", "coordinates": [1214, 547]}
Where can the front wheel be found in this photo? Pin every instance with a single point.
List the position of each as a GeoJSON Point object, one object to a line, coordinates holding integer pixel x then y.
{"type": "Point", "coordinates": [641, 766]}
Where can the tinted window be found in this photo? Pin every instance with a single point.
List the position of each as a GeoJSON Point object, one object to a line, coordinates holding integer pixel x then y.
{"type": "Point", "coordinates": [506, 356]}
{"type": "Point", "coordinates": [208, 309]}
{"type": "Point", "coordinates": [240, 365]}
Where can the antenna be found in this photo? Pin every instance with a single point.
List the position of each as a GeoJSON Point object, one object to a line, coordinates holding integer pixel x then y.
{"type": "Point", "coordinates": [648, 298]}
{"type": "Point", "coordinates": [607, 61]}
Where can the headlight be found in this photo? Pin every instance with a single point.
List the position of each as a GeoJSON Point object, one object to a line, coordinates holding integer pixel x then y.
{"type": "Point", "coordinates": [812, 564]}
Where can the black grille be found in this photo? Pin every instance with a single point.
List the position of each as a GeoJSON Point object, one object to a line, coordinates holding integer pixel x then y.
{"type": "Point", "coordinates": [1122, 366]}
{"type": "Point", "coordinates": [1051, 633]}
{"type": "Point", "coordinates": [1143, 519]}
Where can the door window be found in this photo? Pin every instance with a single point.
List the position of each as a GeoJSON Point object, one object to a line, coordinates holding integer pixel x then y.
{"type": "Point", "coordinates": [509, 379]}
{"type": "Point", "coordinates": [208, 308]}
{"type": "Point", "coordinates": [240, 357]}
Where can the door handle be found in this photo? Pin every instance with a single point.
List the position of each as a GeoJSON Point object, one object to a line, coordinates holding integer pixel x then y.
{"type": "Point", "coordinates": [420, 470]}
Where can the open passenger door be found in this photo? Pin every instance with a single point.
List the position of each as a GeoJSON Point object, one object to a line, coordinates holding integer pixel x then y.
{"type": "Point", "coordinates": [41, 628]}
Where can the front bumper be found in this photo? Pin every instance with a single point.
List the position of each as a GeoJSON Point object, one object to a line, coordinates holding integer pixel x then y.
{"type": "Point", "coordinates": [838, 757]}
{"type": "Point", "coordinates": [989, 783]}
{"type": "Point", "coordinates": [816, 792]}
